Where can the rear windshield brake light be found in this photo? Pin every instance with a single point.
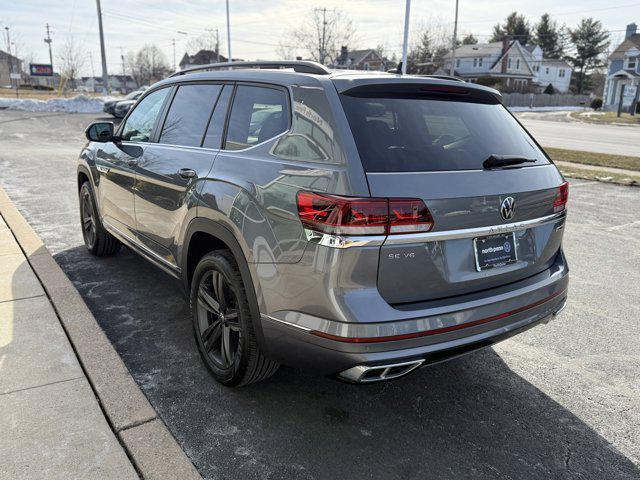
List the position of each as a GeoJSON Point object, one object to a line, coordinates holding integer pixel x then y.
{"type": "Point", "coordinates": [362, 216]}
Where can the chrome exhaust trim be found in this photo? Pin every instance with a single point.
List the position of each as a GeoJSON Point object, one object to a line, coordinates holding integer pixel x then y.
{"type": "Point", "coordinates": [379, 373]}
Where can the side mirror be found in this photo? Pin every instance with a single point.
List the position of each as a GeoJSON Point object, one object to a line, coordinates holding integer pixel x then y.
{"type": "Point", "coordinates": [100, 132]}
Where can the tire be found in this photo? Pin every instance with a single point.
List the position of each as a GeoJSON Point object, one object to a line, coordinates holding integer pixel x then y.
{"type": "Point", "coordinates": [98, 241]}
{"type": "Point", "coordinates": [222, 325]}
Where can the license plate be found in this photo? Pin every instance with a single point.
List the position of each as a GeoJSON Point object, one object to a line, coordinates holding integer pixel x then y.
{"type": "Point", "coordinates": [495, 251]}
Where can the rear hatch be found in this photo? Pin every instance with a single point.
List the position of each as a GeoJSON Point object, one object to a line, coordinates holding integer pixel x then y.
{"type": "Point", "coordinates": [494, 222]}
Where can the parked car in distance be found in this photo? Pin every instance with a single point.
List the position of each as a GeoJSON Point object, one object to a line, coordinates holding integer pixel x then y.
{"type": "Point", "coordinates": [359, 225]}
{"type": "Point", "coordinates": [110, 106]}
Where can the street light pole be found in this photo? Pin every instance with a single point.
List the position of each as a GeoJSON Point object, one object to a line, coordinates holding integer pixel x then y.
{"type": "Point", "coordinates": [48, 41]}
{"type": "Point", "coordinates": [453, 43]}
{"type": "Point", "coordinates": [405, 41]}
{"type": "Point", "coordinates": [105, 75]}
{"type": "Point", "coordinates": [228, 35]}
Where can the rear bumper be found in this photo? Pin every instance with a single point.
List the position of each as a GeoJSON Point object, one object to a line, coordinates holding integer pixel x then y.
{"type": "Point", "coordinates": [334, 348]}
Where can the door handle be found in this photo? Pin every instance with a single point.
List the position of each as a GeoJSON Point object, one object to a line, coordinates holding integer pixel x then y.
{"type": "Point", "coordinates": [187, 173]}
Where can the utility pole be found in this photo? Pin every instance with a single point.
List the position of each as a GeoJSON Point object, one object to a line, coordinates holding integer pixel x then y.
{"type": "Point", "coordinates": [173, 42]}
{"type": "Point", "coordinates": [405, 40]}
{"type": "Point", "coordinates": [230, 59]}
{"type": "Point", "coordinates": [93, 73]}
{"type": "Point", "coordinates": [322, 50]}
{"type": "Point", "coordinates": [453, 43]}
{"type": "Point", "coordinates": [217, 47]}
{"type": "Point", "coordinates": [105, 75]}
{"type": "Point", "coordinates": [48, 41]}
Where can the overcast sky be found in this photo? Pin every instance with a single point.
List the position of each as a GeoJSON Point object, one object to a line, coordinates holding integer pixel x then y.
{"type": "Point", "coordinates": [257, 26]}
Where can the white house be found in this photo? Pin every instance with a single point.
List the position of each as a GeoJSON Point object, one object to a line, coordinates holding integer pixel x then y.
{"type": "Point", "coordinates": [518, 66]}
{"type": "Point", "coordinates": [623, 69]}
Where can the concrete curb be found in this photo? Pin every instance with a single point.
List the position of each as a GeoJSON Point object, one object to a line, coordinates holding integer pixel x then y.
{"type": "Point", "coordinates": [150, 446]}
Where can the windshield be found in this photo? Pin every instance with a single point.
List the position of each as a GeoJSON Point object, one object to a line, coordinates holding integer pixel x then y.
{"type": "Point", "coordinates": [426, 134]}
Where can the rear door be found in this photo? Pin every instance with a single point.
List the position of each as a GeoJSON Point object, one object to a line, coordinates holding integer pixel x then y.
{"type": "Point", "coordinates": [116, 164]}
{"type": "Point", "coordinates": [166, 176]}
{"type": "Point", "coordinates": [491, 226]}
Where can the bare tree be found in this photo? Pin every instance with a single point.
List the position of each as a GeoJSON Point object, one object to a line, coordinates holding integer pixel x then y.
{"type": "Point", "coordinates": [206, 41]}
{"type": "Point", "coordinates": [431, 49]}
{"type": "Point", "coordinates": [148, 65]}
{"type": "Point", "coordinates": [71, 58]}
{"type": "Point", "coordinates": [320, 36]}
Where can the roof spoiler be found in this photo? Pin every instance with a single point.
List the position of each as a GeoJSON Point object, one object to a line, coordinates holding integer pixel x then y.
{"type": "Point", "coordinates": [299, 66]}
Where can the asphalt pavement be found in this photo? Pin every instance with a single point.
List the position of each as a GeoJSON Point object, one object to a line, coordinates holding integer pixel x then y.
{"type": "Point", "coordinates": [559, 401]}
{"type": "Point", "coordinates": [551, 131]}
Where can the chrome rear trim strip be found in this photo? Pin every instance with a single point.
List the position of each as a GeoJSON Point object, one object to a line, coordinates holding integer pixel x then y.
{"type": "Point", "coordinates": [348, 241]}
{"type": "Point", "coordinates": [473, 232]}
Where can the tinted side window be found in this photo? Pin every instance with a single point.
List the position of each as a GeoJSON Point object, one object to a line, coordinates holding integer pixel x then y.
{"type": "Point", "coordinates": [258, 114]}
{"type": "Point", "coordinates": [141, 121]}
{"type": "Point", "coordinates": [213, 139]}
{"type": "Point", "coordinates": [188, 115]}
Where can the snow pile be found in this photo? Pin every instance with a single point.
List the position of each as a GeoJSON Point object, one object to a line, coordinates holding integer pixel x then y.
{"type": "Point", "coordinates": [545, 109]}
{"type": "Point", "coordinates": [78, 104]}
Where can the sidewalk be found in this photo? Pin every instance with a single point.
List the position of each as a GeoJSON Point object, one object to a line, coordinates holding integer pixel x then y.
{"type": "Point", "coordinates": [69, 409]}
{"type": "Point", "coordinates": [51, 423]}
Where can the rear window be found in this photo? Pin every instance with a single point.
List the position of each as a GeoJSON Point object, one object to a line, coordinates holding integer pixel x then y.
{"type": "Point", "coordinates": [417, 134]}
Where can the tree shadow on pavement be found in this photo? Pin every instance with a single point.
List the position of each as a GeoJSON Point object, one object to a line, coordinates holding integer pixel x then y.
{"type": "Point", "coordinates": [469, 418]}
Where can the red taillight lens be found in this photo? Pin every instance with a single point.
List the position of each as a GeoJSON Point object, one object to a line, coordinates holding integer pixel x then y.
{"type": "Point", "coordinates": [362, 216]}
{"type": "Point", "coordinates": [562, 196]}
{"type": "Point", "coordinates": [343, 215]}
{"type": "Point", "coordinates": [409, 216]}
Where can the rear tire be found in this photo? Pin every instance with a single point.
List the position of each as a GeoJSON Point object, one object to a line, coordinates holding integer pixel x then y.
{"type": "Point", "coordinates": [98, 241]}
{"type": "Point", "coordinates": [222, 323]}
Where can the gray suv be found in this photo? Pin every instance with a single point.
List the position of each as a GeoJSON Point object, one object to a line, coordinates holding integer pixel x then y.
{"type": "Point", "coordinates": [360, 225]}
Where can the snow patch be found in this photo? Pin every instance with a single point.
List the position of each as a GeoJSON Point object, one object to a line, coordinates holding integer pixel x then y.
{"type": "Point", "coordinates": [77, 104]}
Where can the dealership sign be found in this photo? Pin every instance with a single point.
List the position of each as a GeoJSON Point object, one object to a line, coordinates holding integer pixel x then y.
{"type": "Point", "coordinates": [40, 70]}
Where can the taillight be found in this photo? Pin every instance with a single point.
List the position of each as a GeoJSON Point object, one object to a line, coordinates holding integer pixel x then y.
{"type": "Point", "coordinates": [562, 196]}
{"type": "Point", "coordinates": [362, 216]}
{"type": "Point", "coordinates": [409, 216]}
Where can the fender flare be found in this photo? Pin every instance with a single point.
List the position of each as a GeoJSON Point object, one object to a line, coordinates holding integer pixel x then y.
{"type": "Point", "coordinates": [216, 229]}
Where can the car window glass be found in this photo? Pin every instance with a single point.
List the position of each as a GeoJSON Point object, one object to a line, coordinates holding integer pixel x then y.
{"type": "Point", "coordinates": [140, 123]}
{"type": "Point", "coordinates": [213, 138]}
{"type": "Point", "coordinates": [189, 114]}
{"type": "Point", "coordinates": [406, 133]}
{"type": "Point", "coordinates": [258, 114]}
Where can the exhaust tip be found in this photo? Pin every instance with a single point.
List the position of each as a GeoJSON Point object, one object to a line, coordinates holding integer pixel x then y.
{"type": "Point", "coordinates": [379, 373]}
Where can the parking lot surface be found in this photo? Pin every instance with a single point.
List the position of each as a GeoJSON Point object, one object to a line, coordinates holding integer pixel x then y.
{"type": "Point", "coordinates": [559, 401]}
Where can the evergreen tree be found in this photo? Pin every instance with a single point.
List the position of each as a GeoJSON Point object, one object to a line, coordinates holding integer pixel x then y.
{"type": "Point", "coordinates": [590, 40]}
{"type": "Point", "coordinates": [549, 37]}
{"type": "Point", "coordinates": [469, 40]}
{"type": "Point", "coordinates": [515, 27]}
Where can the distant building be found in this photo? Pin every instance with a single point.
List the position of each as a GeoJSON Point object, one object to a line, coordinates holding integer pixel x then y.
{"type": "Point", "coordinates": [8, 64]}
{"type": "Point", "coordinates": [203, 57]}
{"type": "Point", "coordinates": [117, 83]}
{"type": "Point", "coordinates": [518, 67]}
{"type": "Point", "coordinates": [368, 59]}
{"type": "Point", "coordinates": [623, 68]}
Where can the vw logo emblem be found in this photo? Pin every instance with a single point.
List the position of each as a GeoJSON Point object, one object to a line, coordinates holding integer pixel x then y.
{"type": "Point", "coordinates": [508, 208]}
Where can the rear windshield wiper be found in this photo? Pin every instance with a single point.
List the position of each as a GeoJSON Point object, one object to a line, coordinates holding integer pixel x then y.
{"type": "Point", "coordinates": [497, 161]}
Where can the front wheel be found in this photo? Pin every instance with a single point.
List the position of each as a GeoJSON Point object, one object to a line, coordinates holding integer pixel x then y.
{"type": "Point", "coordinates": [98, 241]}
{"type": "Point", "coordinates": [222, 322]}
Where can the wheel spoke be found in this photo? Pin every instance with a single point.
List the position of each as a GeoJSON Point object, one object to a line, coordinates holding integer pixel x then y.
{"type": "Point", "coordinates": [211, 335]}
{"type": "Point", "coordinates": [207, 301]}
{"type": "Point", "coordinates": [218, 289]}
{"type": "Point", "coordinates": [226, 346]}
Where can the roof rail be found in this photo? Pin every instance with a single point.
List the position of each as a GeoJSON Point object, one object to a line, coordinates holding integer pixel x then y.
{"type": "Point", "coordinates": [299, 66]}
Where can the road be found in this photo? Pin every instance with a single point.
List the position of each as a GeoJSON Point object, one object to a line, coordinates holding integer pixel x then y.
{"type": "Point", "coordinates": [559, 401]}
{"type": "Point", "coordinates": [620, 140]}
